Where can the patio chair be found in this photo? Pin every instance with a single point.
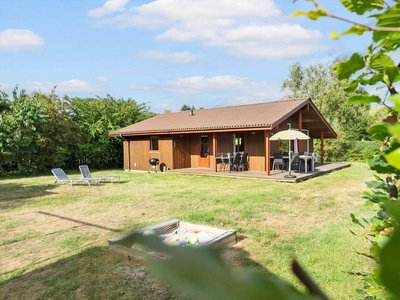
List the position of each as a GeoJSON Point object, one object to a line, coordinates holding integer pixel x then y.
{"type": "Point", "coordinates": [296, 163]}
{"type": "Point", "coordinates": [243, 162]}
{"type": "Point", "coordinates": [85, 172]}
{"type": "Point", "coordinates": [235, 162]}
{"type": "Point", "coordinates": [286, 158]}
{"type": "Point", "coordinates": [278, 163]}
{"type": "Point", "coordinates": [62, 177]}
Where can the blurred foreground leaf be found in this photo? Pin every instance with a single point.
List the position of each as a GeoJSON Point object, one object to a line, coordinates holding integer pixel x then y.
{"type": "Point", "coordinates": [390, 254]}
{"type": "Point", "coordinates": [201, 273]}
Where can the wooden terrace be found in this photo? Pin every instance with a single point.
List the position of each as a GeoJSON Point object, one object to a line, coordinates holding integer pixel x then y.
{"type": "Point", "coordinates": [276, 175]}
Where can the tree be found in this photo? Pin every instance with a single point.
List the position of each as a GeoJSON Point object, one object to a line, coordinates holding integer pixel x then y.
{"type": "Point", "coordinates": [37, 133]}
{"type": "Point", "coordinates": [19, 121]}
{"type": "Point", "coordinates": [96, 118]}
{"type": "Point", "coordinates": [186, 107]}
{"type": "Point", "coordinates": [320, 83]}
{"type": "Point", "coordinates": [40, 132]}
{"type": "Point", "coordinates": [59, 135]}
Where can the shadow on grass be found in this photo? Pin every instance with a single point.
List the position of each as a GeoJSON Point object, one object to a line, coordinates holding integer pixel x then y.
{"type": "Point", "coordinates": [94, 273]}
{"type": "Point", "coordinates": [98, 273]}
{"type": "Point", "coordinates": [79, 221]}
{"type": "Point", "coordinates": [14, 195]}
{"type": "Point", "coordinates": [237, 257]}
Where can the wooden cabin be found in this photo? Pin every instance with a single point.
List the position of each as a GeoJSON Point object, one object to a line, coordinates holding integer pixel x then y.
{"type": "Point", "coordinates": [191, 139]}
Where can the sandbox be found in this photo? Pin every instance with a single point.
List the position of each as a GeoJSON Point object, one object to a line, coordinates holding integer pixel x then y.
{"type": "Point", "coordinates": [175, 233]}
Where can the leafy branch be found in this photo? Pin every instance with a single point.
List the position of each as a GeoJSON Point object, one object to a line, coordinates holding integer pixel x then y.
{"type": "Point", "coordinates": [357, 28]}
{"type": "Point", "coordinates": [202, 273]}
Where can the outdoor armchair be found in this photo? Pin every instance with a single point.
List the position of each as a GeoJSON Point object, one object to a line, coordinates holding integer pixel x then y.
{"type": "Point", "coordinates": [85, 172]}
{"type": "Point", "coordinates": [243, 162]}
{"type": "Point", "coordinates": [278, 162]}
{"type": "Point", "coordinates": [235, 162]}
{"type": "Point", "coordinates": [296, 162]}
{"type": "Point", "coordinates": [62, 177]}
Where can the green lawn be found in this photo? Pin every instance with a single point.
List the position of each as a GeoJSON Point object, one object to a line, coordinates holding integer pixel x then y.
{"type": "Point", "coordinates": [54, 237]}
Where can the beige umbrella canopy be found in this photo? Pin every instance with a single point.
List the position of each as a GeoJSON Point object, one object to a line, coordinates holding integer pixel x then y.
{"type": "Point", "coordinates": [289, 135]}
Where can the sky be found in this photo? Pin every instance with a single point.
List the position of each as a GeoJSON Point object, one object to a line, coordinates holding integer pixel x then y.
{"type": "Point", "coordinates": [165, 53]}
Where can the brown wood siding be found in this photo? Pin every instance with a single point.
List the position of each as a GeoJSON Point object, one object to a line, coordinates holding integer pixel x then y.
{"type": "Point", "coordinates": [194, 150]}
{"type": "Point", "coordinates": [255, 146]}
{"type": "Point", "coordinates": [224, 142]}
{"type": "Point", "coordinates": [125, 146]}
{"type": "Point", "coordinates": [139, 154]}
{"type": "Point", "coordinates": [165, 151]}
{"type": "Point", "coordinates": [182, 148]}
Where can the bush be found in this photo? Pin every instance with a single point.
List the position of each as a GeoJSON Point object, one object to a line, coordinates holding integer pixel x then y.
{"type": "Point", "coordinates": [361, 150]}
{"type": "Point", "coordinates": [345, 150]}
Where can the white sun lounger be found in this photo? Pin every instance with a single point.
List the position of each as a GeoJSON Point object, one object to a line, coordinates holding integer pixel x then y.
{"type": "Point", "coordinates": [62, 177]}
{"type": "Point", "coordinates": [85, 172]}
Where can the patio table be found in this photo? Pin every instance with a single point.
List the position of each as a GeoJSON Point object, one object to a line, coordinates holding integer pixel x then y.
{"type": "Point", "coordinates": [305, 158]}
{"type": "Point", "coordinates": [227, 159]}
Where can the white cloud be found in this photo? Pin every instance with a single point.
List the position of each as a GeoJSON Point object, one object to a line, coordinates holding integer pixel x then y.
{"type": "Point", "coordinates": [208, 13]}
{"type": "Point", "coordinates": [19, 39]}
{"type": "Point", "coordinates": [200, 84]}
{"type": "Point", "coordinates": [270, 41]}
{"type": "Point", "coordinates": [162, 107]}
{"type": "Point", "coordinates": [101, 79]}
{"type": "Point", "coordinates": [4, 87]}
{"type": "Point", "coordinates": [139, 87]}
{"type": "Point", "coordinates": [236, 89]}
{"type": "Point", "coordinates": [64, 87]}
{"type": "Point", "coordinates": [244, 28]}
{"type": "Point", "coordinates": [175, 57]}
{"type": "Point", "coordinates": [111, 6]}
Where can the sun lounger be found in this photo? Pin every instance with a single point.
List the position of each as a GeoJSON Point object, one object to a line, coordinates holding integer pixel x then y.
{"type": "Point", "coordinates": [85, 172]}
{"type": "Point", "coordinates": [62, 177]}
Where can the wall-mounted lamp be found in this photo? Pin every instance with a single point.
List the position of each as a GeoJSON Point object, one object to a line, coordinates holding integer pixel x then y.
{"type": "Point", "coordinates": [181, 135]}
{"type": "Point", "coordinates": [289, 125]}
{"type": "Point", "coordinates": [253, 132]}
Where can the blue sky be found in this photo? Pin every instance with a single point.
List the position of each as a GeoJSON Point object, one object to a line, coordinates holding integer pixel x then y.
{"type": "Point", "coordinates": [205, 53]}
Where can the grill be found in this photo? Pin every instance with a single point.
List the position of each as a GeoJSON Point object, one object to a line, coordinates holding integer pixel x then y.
{"type": "Point", "coordinates": [153, 164]}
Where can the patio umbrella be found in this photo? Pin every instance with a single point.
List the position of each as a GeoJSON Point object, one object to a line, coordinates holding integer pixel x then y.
{"type": "Point", "coordinates": [289, 135]}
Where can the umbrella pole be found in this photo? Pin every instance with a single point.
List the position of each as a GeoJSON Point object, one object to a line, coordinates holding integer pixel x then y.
{"type": "Point", "coordinates": [290, 164]}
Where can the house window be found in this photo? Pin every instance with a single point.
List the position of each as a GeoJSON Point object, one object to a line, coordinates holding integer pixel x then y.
{"type": "Point", "coordinates": [154, 143]}
{"type": "Point", "coordinates": [204, 146]}
{"type": "Point", "coordinates": [239, 143]}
